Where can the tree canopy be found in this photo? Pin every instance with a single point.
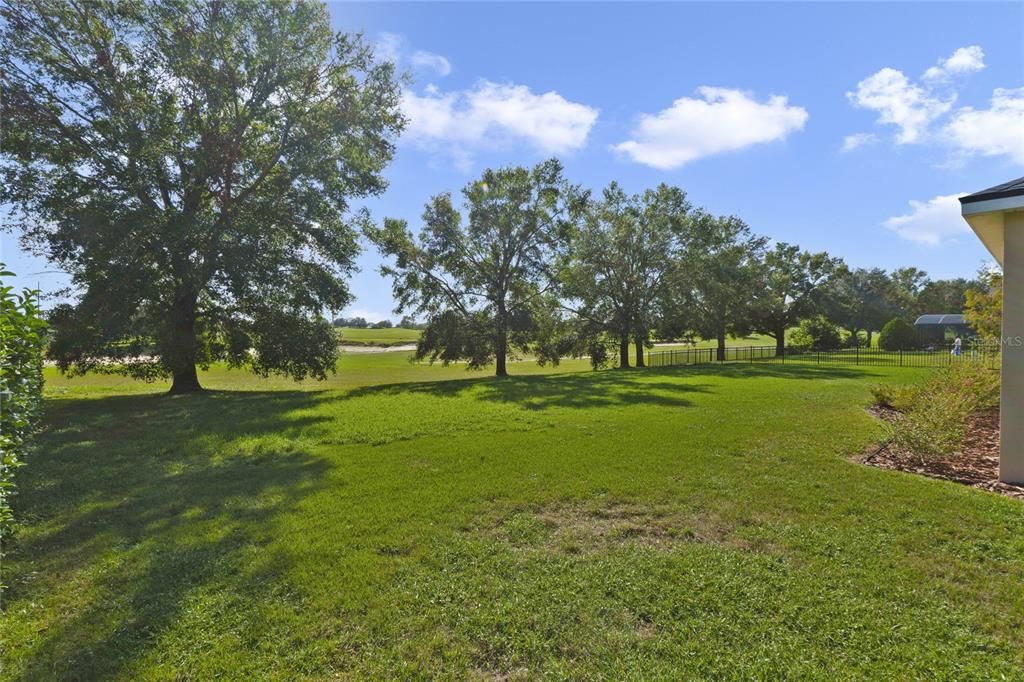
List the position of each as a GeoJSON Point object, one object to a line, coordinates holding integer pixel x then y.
{"type": "Point", "coordinates": [191, 166]}
{"type": "Point", "coordinates": [716, 278]}
{"type": "Point", "coordinates": [984, 308]}
{"type": "Point", "coordinates": [481, 278]}
{"type": "Point", "coordinates": [619, 256]}
{"type": "Point", "coordinates": [790, 286]}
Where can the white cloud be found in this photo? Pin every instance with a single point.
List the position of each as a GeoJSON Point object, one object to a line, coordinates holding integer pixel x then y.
{"type": "Point", "coordinates": [931, 222]}
{"type": "Point", "coordinates": [389, 46]}
{"type": "Point", "coordinates": [393, 47]}
{"type": "Point", "coordinates": [916, 109]}
{"type": "Point", "coordinates": [722, 120]}
{"type": "Point", "coordinates": [963, 60]}
{"type": "Point", "coordinates": [996, 131]}
{"type": "Point", "coordinates": [493, 115]}
{"type": "Point", "coordinates": [899, 102]}
{"type": "Point", "coordinates": [851, 142]}
{"type": "Point", "coordinates": [429, 60]}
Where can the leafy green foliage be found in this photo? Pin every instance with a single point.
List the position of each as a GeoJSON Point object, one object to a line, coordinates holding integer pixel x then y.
{"type": "Point", "coordinates": [617, 263]}
{"type": "Point", "coordinates": [984, 308]}
{"type": "Point", "coordinates": [859, 300]}
{"type": "Point", "coordinates": [898, 334]}
{"type": "Point", "coordinates": [934, 419]}
{"type": "Point", "coordinates": [713, 285]}
{"type": "Point", "coordinates": [21, 385]}
{"type": "Point", "coordinates": [816, 333]}
{"type": "Point", "coordinates": [191, 165]}
{"type": "Point", "coordinates": [790, 287]}
{"type": "Point", "coordinates": [482, 279]}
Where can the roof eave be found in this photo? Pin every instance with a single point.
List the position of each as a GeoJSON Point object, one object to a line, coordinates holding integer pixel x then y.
{"type": "Point", "coordinates": [974, 205]}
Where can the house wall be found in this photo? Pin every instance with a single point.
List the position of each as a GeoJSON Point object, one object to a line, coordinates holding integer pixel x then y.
{"type": "Point", "coordinates": [1011, 427]}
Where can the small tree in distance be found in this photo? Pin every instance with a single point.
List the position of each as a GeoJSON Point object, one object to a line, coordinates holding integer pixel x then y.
{"type": "Point", "coordinates": [898, 334]}
{"type": "Point", "coordinates": [790, 288]}
{"type": "Point", "coordinates": [816, 333]}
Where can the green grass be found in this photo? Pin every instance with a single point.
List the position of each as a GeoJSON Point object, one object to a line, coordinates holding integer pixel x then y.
{"type": "Point", "coordinates": [395, 336]}
{"type": "Point", "coordinates": [409, 521]}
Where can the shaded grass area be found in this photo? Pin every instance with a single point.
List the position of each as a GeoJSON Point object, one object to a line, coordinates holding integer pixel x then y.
{"type": "Point", "coordinates": [404, 521]}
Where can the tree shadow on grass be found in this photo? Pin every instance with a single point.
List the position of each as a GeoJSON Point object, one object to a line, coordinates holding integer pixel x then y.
{"type": "Point", "coordinates": [779, 370]}
{"type": "Point", "coordinates": [658, 386]}
{"type": "Point", "coordinates": [145, 519]}
{"type": "Point", "coordinates": [576, 390]}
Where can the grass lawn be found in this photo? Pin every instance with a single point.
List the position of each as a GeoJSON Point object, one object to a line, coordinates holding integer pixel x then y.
{"type": "Point", "coordinates": [395, 336]}
{"type": "Point", "coordinates": [408, 521]}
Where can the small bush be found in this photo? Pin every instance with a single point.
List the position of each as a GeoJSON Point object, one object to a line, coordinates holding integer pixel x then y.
{"type": "Point", "coordinates": [883, 395]}
{"type": "Point", "coordinates": [816, 333]}
{"type": "Point", "coordinates": [935, 413]}
{"type": "Point", "coordinates": [898, 334]}
{"type": "Point", "coordinates": [896, 397]}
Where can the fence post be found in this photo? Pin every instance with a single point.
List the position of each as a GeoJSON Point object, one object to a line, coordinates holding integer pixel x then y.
{"type": "Point", "coordinates": [857, 351]}
{"type": "Point", "coordinates": [901, 357]}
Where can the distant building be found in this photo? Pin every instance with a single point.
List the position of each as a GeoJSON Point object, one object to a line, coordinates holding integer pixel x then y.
{"type": "Point", "coordinates": [941, 329]}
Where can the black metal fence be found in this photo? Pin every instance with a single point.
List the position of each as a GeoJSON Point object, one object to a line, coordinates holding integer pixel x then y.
{"type": "Point", "coordinates": [987, 355]}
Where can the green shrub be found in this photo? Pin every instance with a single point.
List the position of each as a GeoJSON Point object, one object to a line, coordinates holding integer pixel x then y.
{"type": "Point", "coordinates": [816, 333]}
{"type": "Point", "coordinates": [898, 334]}
{"type": "Point", "coordinates": [21, 385]}
{"type": "Point", "coordinates": [934, 420]}
{"type": "Point", "coordinates": [883, 395]}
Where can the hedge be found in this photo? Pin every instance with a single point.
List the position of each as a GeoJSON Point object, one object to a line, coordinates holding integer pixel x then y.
{"type": "Point", "coordinates": [21, 385]}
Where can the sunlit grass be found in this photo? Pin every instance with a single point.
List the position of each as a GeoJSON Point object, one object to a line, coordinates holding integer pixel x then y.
{"type": "Point", "coordinates": [395, 336]}
{"type": "Point", "coordinates": [404, 520]}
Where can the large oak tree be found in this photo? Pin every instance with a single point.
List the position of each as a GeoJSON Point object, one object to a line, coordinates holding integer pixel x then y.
{"type": "Point", "coordinates": [481, 278]}
{"type": "Point", "coordinates": [790, 287]}
{"type": "Point", "coordinates": [618, 258]}
{"type": "Point", "coordinates": [191, 164]}
{"type": "Point", "coordinates": [715, 282]}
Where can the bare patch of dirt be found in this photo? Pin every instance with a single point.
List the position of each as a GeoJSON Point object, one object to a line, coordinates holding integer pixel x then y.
{"type": "Point", "coordinates": [582, 529]}
{"type": "Point", "coordinates": [976, 465]}
{"type": "Point", "coordinates": [484, 675]}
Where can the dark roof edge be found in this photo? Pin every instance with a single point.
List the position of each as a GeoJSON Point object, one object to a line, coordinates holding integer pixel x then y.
{"type": "Point", "coordinates": [975, 198]}
{"type": "Point", "coordinates": [1013, 188]}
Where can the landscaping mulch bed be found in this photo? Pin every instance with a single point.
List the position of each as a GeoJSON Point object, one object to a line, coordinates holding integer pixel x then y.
{"type": "Point", "coordinates": [977, 465]}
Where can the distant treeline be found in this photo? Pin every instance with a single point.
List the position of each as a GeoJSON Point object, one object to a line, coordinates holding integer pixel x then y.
{"type": "Point", "coordinates": [533, 263]}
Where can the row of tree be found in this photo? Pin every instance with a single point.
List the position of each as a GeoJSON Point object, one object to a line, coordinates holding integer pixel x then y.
{"type": "Point", "coordinates": [357, 322]}
{"type": "Point", "coordinates": [536, 264]}
{"type": "Point", "coordinates": [193, 166]}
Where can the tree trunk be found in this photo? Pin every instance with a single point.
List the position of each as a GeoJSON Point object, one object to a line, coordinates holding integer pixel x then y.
{"type": "Point", "coordinates": [780, 340]}
{"type": "Point", "coordinates": [639, 341]}
{"type": "Point", "coordinates": [869, 338]}
{"type": "Point", "coordinates": [186, 380]}
{"type": "Point", "coordinates": [180, 352]}
{"type": "Point", "coordinates": [721, 344]}
{"type": "Point", "coordinates": [624, 350]}
{"type": "Point", "coordinates": [501, 348]}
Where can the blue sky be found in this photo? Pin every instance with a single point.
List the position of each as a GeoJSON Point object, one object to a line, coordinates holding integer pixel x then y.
{"type": "Point", "coordinates": [818, 124]}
